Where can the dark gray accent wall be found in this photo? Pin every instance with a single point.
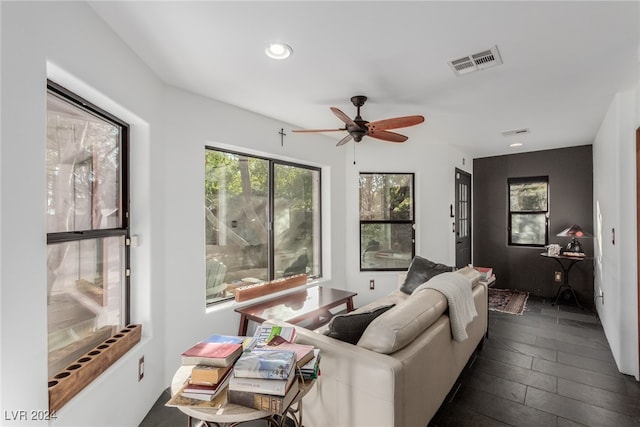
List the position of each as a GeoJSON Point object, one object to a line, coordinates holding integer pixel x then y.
{"type": "Point", "coordinates": [570, 172]}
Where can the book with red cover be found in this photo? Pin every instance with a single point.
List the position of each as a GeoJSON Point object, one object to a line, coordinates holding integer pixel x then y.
{"type": "Point", "coordinates": [485, 272]}
{"type": "Point", "coordinates": [213, 354]}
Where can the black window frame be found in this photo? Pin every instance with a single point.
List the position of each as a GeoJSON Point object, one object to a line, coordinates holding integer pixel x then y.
{"type": "Point", "coordinates": [124, 230]}
{"type": "Point", "coordinates": [411, 222]}
{"type": "Point", "coordinates": [272, 162]}
{"type": "Point", "coordinates": [510, 212]}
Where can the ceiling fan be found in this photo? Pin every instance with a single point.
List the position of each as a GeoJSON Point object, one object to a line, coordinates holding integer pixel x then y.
{"type": "Point", "coordinates": [359, 128]}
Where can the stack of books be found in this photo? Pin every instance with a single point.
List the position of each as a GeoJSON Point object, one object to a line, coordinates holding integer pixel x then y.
{"type": "Point", "coordinates": [212, 361]}
{"type": "Point", "coordinates": [264, 379]}
{"type": "Point", "coordinates": [311, 369]}
{"type": "Point", "coordinates": [486, 274]}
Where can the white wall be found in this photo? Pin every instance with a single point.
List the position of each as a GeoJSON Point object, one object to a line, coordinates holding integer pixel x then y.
{"type": "Point", "coordinates": [434, 164]}
{"type": "Point", "coordinates": [66, 42]}
{"type": "Point", "coordinates": [615, 208]}
{"type": "Point", "coordinates": [220, 125]}
{"type": "Point", "coordinates": [41, 40]}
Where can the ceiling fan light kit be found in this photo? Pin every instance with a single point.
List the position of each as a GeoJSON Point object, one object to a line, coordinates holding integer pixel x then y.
{"type": "Point", "coordinates": [357, 128]}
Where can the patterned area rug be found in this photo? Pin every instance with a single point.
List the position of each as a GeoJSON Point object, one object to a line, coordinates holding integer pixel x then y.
{"type": "Point", "coordinates": [507, 301]}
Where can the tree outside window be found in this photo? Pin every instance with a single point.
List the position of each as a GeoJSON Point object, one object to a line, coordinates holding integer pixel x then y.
{"type": "Point", "coordinates": [262, 221]}
{"type": "Point", "coordinates": [387, 238]}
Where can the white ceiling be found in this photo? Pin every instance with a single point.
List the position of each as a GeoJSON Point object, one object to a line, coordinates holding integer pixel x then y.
{"type": "Point", "coordinates": [563, 62]}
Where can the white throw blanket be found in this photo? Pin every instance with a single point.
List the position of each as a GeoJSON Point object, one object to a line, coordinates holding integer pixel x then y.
{"type": "Point", "coordinates": [457, 289]}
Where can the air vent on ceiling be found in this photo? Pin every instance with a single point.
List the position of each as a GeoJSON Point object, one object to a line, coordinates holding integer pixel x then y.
{"type": "Point", "coordinates": [478, 61]}
{"type": "Point", "coordinates": [515, 132]}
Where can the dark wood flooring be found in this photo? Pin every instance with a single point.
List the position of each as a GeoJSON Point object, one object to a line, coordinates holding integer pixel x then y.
{"type": "Point", "coordinates": [552, 366]}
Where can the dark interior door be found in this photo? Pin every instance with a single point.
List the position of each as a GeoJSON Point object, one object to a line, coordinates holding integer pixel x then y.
{"type": "Point", "coordinates": [463, 218]}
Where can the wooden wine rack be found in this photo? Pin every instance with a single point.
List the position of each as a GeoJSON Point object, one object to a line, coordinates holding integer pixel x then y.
{"type": "Point", "coordinates": [68, 382]}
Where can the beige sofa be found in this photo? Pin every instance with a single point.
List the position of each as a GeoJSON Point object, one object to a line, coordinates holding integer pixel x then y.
{"type": "Point", "coordinates": [362, 387]}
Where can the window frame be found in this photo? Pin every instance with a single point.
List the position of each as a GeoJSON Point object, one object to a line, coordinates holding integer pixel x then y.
{"type": "Point", "coordinates": [78, 236]}
{"type": "Point", "coordinates": [124, 230]}
{"type": "Point", "coordinates": [411, 222]}
{"type": "Point", "coordinates": [511, 213]}
{"type": "Point", "coordinates": [272, 162]}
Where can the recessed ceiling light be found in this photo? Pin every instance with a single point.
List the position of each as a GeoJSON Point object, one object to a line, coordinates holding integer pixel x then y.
{"type": "Point", "coordinates": [278, 50]}
{"type": "Point", "coordinates": [516, 144]}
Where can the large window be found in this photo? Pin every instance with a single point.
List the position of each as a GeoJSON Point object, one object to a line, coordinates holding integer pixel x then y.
{"type": "Point", "coordinates": [87, 226]}
{"type": "Point", "coordinates": [529, 211]}
{"type": "Point", "coordinates": [262, 221]}
{"type": "Point", "coordinates": [387, 237]}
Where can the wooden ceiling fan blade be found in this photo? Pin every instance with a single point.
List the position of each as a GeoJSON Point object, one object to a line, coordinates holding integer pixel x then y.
{"type": "Point", "coordinates": [318, 130]}
{"type": "Point", "coordinates": [344, 140]}
{"type": "Point", "coordinates": [396, 123]}
{"type": "Point", "coordinates": [387, 136]}
{"type": "Point", "coordinates": [342, 116]}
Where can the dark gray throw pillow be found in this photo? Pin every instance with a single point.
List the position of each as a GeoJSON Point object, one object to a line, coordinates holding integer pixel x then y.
{"type": "Point", "coordinates": [420, 271]}
{"type": "Point", "coordinates": [350, 327]}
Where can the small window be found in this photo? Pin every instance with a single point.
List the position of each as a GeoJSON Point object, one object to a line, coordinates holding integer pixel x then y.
{"type": "Point", "coordinates": [529, 211]}
{"type": "Point", "coordinates": [387, 235]}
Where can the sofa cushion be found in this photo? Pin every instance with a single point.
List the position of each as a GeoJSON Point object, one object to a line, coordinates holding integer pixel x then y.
{"type": "Point", "coordinates": [349, 327]}
{"type": "Point", "coordinates": [420, 271]}
{"type": "Point", "coordinates": [398, 327]}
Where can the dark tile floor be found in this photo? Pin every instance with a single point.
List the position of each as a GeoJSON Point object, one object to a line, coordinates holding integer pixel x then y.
{"type": "Point", "coordinates": [549, 367]}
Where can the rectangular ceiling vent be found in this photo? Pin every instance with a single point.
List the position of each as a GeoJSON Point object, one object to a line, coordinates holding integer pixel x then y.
{"type": "Point", "coordinates": [515, 132]}
{"type": "Point", "coordinates": [476, 62]}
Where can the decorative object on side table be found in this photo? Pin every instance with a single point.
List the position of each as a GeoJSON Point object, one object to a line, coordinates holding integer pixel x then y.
{"type": "Point", "coordinates": [573, 248]}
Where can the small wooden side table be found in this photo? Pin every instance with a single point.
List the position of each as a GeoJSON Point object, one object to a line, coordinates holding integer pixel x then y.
{"type": "Point", "coordinates": [312, 303]}
{"type": "Point", "coordinates": [221, 413]}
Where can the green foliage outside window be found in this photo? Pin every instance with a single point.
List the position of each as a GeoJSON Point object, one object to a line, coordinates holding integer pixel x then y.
{"type": "Point", "coordinates": [262, 220]}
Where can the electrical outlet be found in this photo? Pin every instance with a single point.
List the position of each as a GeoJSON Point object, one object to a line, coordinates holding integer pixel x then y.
{"type": "Point", "coordinates": [141, 368]}
{"type": "Point", "coordinates": [372, 284]}
{"type": "Point", "coordinates": [557, 276]}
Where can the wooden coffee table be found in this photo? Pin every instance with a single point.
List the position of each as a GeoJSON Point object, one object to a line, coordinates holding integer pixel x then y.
{"type": "Point", "coordinates": [308, 304]}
